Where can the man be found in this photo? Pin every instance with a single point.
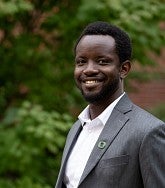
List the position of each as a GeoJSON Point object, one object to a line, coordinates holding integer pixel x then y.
{"type": "Point", "coordinates": [114, 144]}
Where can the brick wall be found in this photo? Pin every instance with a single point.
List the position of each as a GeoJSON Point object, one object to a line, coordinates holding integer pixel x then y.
{"type": "Point", "coordinates": [150, 94]}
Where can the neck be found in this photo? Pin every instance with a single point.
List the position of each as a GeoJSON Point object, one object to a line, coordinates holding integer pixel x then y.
{"type": "Point", "coordinates": [95, 109]}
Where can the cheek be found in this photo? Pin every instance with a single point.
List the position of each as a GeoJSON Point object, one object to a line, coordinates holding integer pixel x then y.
{"type": "Point", "coordinates": [77, 73]}
{"type": "Point", "coordinates": [113, 74]}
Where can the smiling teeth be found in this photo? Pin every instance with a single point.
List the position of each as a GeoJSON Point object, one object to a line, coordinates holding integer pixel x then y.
{"type": "Point", "coordinates": [91, 82]}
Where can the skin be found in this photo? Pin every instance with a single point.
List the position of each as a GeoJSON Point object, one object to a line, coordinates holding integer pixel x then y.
{"type": "Point", "coordinates": [98, 72]}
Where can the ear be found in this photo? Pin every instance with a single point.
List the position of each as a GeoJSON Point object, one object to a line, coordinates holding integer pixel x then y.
{"type": "Point", "coordinates": [125, 68]}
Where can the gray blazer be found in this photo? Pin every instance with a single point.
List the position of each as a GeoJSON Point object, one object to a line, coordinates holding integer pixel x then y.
{"type": "Point", "coordinates": [133, 153]}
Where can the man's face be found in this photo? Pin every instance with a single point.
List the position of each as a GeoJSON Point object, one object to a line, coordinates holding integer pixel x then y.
{"type": "Point", "coordinates": [97, 68]}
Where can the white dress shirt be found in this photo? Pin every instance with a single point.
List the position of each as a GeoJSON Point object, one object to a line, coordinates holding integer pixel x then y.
{"type": "Point", "coordinates": [85, 143]}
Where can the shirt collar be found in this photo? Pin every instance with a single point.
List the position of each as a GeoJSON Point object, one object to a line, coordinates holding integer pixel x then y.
{"type": "Point", "coordinates": [103, 117]}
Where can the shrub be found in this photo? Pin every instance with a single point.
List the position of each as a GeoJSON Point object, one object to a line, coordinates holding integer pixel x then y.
{"type": "Point", "coordinates": [31, 142]}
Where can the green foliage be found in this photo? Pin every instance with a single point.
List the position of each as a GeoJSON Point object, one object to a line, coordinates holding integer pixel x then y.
{"type": "Point", "coordinates": [34, 62]}
{"type": "Point", "coordinates": [37, 38]}
{"type": "Point", "coordinates": [140, 19]}
{"type": "Point", "coordinates": [31, 141]}
{"type": "Point", "coordinates": [12, 7]}
{"type": "Point", "coordinates": [159, 111]}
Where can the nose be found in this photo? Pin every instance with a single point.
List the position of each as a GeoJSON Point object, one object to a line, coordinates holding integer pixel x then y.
{"type": "Point", "coordinates": [91, 68]}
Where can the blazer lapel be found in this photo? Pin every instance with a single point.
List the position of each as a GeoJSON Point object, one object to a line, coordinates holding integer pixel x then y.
{"type": "Point", "coordinates": [113, 126]}
{"type": "Point", "coordinates": [72, 137]}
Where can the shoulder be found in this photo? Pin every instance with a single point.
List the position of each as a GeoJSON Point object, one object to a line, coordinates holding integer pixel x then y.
{"type": "Point", "coordinates": [139, 120]}
{"type": "Point", "coordinates": [143, 124]}
{"type": "Point", "coordinates": [136, 113]}
{"type": "Point", "coordinates": [143, 116]}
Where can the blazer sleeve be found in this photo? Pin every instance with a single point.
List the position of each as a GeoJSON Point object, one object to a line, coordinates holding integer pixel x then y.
{"type": "Point", "coordinates": [152, 158]}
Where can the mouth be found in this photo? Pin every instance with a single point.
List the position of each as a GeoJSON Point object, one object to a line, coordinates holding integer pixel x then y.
{"type": "Point", "coordinates": [91, 83]}
{"type": "Point", "coordinates": [88, 82]}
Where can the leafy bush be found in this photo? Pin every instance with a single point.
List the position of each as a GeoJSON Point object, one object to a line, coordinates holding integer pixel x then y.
{"type": "Point", "coordinates": [31, 142]}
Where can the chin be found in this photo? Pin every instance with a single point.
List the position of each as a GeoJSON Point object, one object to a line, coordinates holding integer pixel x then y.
{"type": "Point", "coordinates": [93, 98]}
{"type": "Point", "coordinates": [101, 96]}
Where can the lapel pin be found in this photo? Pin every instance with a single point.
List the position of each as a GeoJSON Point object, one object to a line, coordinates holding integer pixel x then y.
{"type": "Point", "coordinates": [102, 144]}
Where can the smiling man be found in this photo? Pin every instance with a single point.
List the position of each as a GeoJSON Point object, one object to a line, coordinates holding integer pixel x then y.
{"type": "Point", "coordinates": [114, 143]}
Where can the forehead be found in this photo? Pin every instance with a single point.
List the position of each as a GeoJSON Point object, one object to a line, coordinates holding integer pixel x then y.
{"type": "Point", "coordinates": [98, 42]}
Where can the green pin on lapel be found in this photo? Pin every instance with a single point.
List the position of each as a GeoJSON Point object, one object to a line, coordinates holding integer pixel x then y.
{"type": "Point", "coordinates": [101, 144]}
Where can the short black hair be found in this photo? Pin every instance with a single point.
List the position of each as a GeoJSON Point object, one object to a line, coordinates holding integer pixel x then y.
{"type": "Point", "coordinates": [122, 39]}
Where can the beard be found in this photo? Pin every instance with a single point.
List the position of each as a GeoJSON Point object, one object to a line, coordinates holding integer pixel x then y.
{"type": "Point", "coordinates": [106, 92]}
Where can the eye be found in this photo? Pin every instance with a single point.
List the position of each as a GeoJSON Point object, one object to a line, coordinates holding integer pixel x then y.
{"type": "Point", "coordinates": [80, 61]}
{"type": "Point", "coordinates": [103, 61]}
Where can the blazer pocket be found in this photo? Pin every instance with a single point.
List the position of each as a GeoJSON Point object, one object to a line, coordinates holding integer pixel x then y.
{"type": "Point", "coordinates": [116, 161]}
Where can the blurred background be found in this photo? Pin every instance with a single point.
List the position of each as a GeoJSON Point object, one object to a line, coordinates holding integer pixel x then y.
{"type": "Point", "coordinates": [38, 98]}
